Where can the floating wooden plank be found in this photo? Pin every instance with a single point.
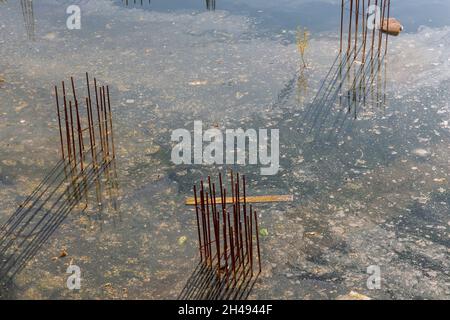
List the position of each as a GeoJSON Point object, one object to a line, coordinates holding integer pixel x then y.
{"type": "Point", "coordinates": [250, 199]}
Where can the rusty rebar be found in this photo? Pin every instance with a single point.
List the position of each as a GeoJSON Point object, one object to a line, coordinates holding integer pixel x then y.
{"type": "Point", "coordinates": [350, 27]}
{"type": "Point", "coordinates": [380, 34]}
{"type": "Point", "coordinates": [257, 240]}
{"type": "Point", "coordinates": [98, 114]}
{"type": "Point", "coordinates": [59, 123]}
{"type": "Point", "coordinates": [387, 25]}
{"type": "Point", "coordinates": [79, 129]}
{"type": "Point", "coordinates": [356, 26]}
{"type": "Point", "coordinates": [72, 135]}
{"type": "Point", "coordinates": [342, 25]}
{"type": "Point", "coordinates": [111, 123]}
{"type": "Point", "coordinates": [76, 107]}
{"type": "Point", "coordinates": [74, 130]}
{"type": "Point", "coordinates": [373, 33]}
{"type": "Point", "coordinates": [66, 118]}
{"type": "Point", "coordinates": [226, 235]}
{"type": "Point", "coordinates": [365, 31]}
{"type": "Point", "coordinates": [105, 120]}
{"type": "Point", "coordinates": [91, 126]}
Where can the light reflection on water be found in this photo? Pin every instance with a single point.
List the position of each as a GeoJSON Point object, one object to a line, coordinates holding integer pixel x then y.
{"type": "Point", "coordinates": [361, 197]}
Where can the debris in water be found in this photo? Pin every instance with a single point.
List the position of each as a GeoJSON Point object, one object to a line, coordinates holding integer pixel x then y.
{"type": "Point", "coordinates": [63, 253]}
{"type": "Point", "coordinates": [198, 83]}
{"type": "Point", "coordinates": [421, 153]}
{"type": "Point", "coordinates": [264, 232]}
{"type": "Point", "coordinates": [182, 240]}
{"type": "Point", "coordinates": [392, 27]}
{"type": "Point", "coordinates": [251, 199]}
{"type": "Point", "coordinates": [353, 295]}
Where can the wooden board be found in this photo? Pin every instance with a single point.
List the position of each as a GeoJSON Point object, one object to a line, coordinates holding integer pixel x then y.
{"type": "Point", "coordinates": [252, 199]}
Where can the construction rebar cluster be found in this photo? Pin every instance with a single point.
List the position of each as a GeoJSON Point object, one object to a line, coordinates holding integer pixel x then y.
{"type": "Point", "coordinates": [227, 225]}
{"type": "Point", "coordinates": [74, 148]}
{"type": "Point", "coordinates": [357, 76]}
{"type": "Point", "coordinates": [85, 160]}
{"type": "Point", "coordinates": [228, 239]}
{"type": "Point", "coordinates": [362, 22]}
{"type": "Point", "coordinates": [28, 18]}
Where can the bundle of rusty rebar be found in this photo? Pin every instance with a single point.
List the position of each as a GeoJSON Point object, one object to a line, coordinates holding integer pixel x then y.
{"type": "Point", "coordinates": [358, 73]}
{"type": "Point", "coordinates": [358, 25]}
{"type": "Point", "coordinates": [28, 18]}
{"type": "Point", "coordinates": [74, 144]}
{"type": "Point", "coordinates": [228, 239]}
{"type": "Point", "coordinates": [134, 2]}
{"type": "Point", "coordinates": [210, 5]}
{"type": "Point", "coordinates": [86, 158]}
{"type": "Point", "coordinates": [228, 243]}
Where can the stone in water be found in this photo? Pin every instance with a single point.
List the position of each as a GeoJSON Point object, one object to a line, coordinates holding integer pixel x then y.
{"type": "Point", "coordinates": [421, 152]}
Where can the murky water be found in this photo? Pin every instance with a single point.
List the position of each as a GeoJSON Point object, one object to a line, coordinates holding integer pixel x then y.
{"type": "Point", "coordinates": [373, 192]}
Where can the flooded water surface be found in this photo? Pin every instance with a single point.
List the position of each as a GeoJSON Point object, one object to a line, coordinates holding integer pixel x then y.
{"type": "Point", "coordinates": [368, 170]}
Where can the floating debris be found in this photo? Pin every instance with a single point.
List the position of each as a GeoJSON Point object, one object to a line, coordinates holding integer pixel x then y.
{"type": "Point", "coordinates": [182, 240]}
{"type": "Point", "coordinates": [264, 232]}
{"type": "Point", "coordinates": [251, 199]}
{"type": "Point", "coordinates": [421, 153]}
{"type": "Point", "coordinates": [63, 253]}
{"type": "Point", "coordinates": [353, 295]}
{"type": "Point", "coordinates": [198, 83]}
{"type": "Point", "coordinates": [392, 26]}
